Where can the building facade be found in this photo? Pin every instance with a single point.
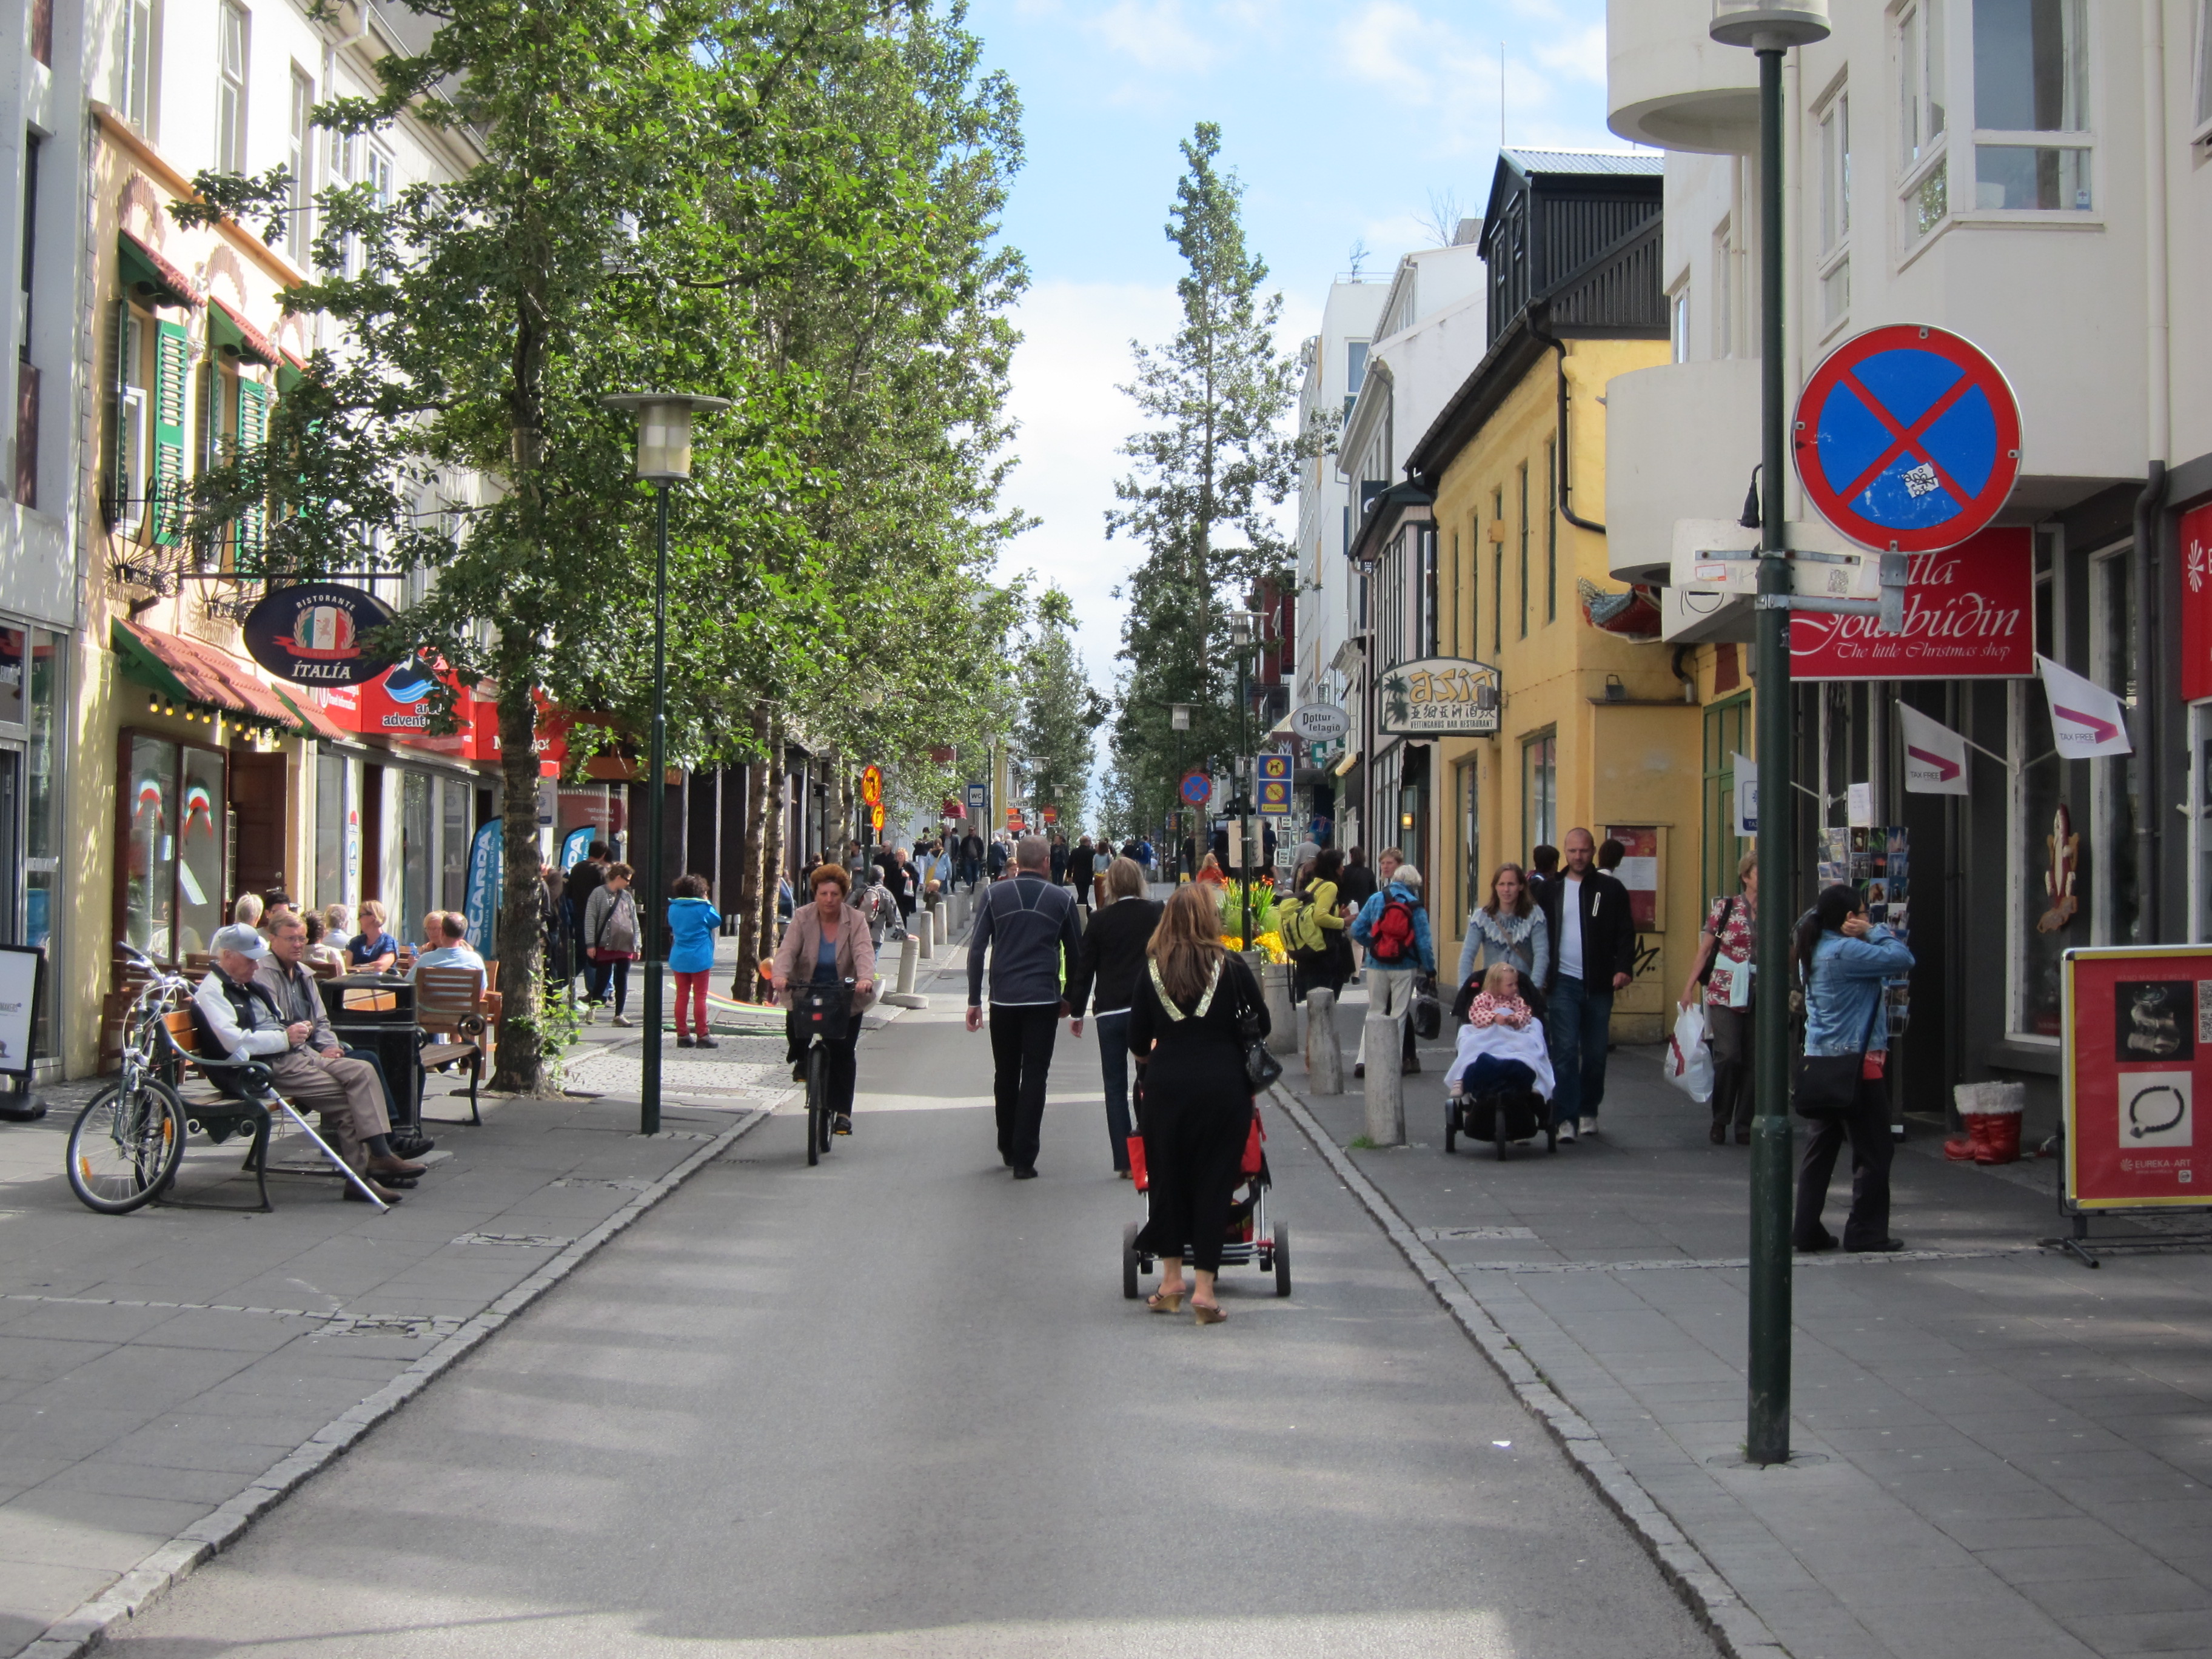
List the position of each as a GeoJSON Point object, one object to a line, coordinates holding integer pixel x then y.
{"type": "Point", "coordinates": [2039, 179]}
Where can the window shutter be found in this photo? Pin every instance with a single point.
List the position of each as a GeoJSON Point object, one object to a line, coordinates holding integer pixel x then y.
{"type": "Point", "coordinates": [252, 434]}
{"type": "Point", "coordinates": [165, 491]}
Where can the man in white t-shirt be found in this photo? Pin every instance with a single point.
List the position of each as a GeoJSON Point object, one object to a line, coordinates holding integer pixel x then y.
{"type": "Point", "coordinates": [1593, 955]}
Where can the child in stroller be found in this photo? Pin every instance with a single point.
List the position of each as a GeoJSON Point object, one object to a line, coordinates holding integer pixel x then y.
{"type": "Point", "coordinates": [1500, 1082]}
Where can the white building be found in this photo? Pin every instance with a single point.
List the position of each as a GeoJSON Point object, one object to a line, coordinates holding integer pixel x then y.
{"type": "Point", "coordinates": [2035, 175]}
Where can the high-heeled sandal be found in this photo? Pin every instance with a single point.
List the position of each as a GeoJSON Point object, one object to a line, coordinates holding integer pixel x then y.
{"type": "Point", "coordinates": [1166, 1302]}
{"type": "Point", "coordinates": [1208, 1313]}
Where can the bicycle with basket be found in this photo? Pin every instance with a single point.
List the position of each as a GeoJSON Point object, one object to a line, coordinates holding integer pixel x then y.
{"type": "Point", "coordinates": [823, 1013]}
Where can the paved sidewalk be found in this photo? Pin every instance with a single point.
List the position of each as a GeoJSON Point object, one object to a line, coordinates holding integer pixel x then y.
{"type": "Point", "coordinates": [167, 1374]}
{"type": "Point", "coordinates": [2002, 1453]}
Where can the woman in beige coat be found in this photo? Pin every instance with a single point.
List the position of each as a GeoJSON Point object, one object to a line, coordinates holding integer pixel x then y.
{"type": "Point", "coordinates": [827, 944]}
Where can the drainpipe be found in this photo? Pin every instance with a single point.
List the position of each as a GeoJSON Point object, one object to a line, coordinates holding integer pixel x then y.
{"type": "Point", "coordinates": [1537, 310]}
{"type": "Point", "coordinates": [2149, 514]}
{"type": "Point", "coordinates": [1689, 680]}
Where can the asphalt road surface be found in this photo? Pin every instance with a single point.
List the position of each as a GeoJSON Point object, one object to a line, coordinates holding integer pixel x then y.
{"type": "Point", "coordinates": [896, 1405]}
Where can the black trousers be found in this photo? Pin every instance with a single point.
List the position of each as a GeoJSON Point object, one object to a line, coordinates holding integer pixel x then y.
{"type": "Point", "coordinates": [841, 1060]}
{"type": "Point", "coordinates": [1021, 1055]}
{"type": "Point", "coordinates": [1734, 1098]}
{"type": "Point", "coordinates": [1866, 1125]}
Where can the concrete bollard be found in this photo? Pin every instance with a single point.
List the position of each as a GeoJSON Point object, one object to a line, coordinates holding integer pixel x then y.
{"type": "Point", "coordinates": [1386, 1091]}
{"type": "Point", "coordinates": [923, 931]}
{"type": "Point", "coordinates": [1324, 1053]}
{"type": "Point", "coordinates": [1282, 1017]}
{"type": "Point", "coordinates": [904, 997]}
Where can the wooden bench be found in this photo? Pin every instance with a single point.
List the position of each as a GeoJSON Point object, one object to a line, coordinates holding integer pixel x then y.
{"type": "Point", "coordinates": [449, 1002]}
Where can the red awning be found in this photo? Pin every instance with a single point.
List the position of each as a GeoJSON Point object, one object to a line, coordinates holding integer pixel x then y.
{"type": "Point", "coordinates": [164, 281]}
{"type": "Point", "coordinates": [251, 343]}
{"type": "Point", "coordinates": [180, 666]}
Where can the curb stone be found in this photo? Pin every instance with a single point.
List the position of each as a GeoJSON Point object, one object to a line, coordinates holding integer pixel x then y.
{"type": "Point", "coordinates": [144, 1585]}
{"type": "Point", "coordinates": [1739, 1631]}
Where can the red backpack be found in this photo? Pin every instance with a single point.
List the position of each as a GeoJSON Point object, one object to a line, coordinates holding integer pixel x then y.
{"type": "Point", "coordinates": [1391, 938]}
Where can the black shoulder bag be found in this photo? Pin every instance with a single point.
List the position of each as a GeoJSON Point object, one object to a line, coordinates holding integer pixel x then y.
{"type": "Point", "coordinates": [1260, 1065]}
{"type": "Point", "coordinates": [1827, 1086]}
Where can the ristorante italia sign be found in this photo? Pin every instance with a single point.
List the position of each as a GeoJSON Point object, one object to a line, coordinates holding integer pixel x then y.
{"type": "Point", "coordinates": [1969, 614]}
{"type": "Point", "coordinates": [315, 634]}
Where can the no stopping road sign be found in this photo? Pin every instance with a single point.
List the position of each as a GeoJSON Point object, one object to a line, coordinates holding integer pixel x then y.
{"type": "Point", "coordinates": [1907, 439]}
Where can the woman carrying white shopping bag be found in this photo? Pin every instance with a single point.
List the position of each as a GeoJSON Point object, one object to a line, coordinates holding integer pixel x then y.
{"type": "Point", "coordinates": [1720, 981]}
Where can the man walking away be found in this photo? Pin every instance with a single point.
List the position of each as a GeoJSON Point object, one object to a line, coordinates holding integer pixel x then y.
{"type": "Point", "coordinates": [971, 859]}
{"type": "Point", "coordinates": [997, 857]}
{"type": "Point", "coordinates": [1057, 857]}
{"type": "Point", "coordinates": [1082, 866]}
{"type": "Point", "coordinates": [1028, 928]}
{"type": "Point", "coordinates": [1355, 887]}
{"type": "Point", "coordinates": [1593, 950]}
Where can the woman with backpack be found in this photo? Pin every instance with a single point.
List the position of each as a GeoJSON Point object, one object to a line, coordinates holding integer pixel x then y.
{"type": "Point", "coordinates": [611, 937]}
{"type": "Point", "coordinates": [1392, 928]}
{"type": "Point", "coordinates": [1510, 928]}
{"type": "Point", "coordinates": [1313, 931]}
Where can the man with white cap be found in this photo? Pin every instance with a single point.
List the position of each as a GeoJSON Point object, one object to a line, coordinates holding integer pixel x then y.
{"type": "Point", "coordinates": [247, 1022]}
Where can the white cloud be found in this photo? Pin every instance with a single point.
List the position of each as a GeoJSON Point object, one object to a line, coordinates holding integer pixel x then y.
{"type": "Point", "coordinates": [1157, 34]}
{"type": "Point", "coordinates": [1579, 54]}
{"type": "Point", "coordinates": [1381, 44]}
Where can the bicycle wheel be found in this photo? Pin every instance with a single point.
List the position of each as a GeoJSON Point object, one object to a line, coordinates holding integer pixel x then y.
{"type": "Point", "coordinates": [827, 1129]}
{"type": "Point", "coordinates": [124, 1149]}
{"type": "Point", "coordinates": [817, 1106]}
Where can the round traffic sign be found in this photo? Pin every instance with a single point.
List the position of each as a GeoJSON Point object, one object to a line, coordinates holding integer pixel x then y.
{"type": "Point", "coordinates": [872, 785]}
{"type": "Point", "coordinates": [1907, 439]}
{"type": "Point", "coordinates": [1197, 788]}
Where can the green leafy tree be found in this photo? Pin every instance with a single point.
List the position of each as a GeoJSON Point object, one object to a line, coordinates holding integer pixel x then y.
{"type": "Point", "coordinates": [1060, 712]}
{"type": "Point", "coordinates": [1212, 462]}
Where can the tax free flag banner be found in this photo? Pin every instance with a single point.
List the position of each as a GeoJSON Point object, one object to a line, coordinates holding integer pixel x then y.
{"type": "Point", "coordinates": [2086, 719]}
{"type": "Point", "coordinates": [1935, 755]}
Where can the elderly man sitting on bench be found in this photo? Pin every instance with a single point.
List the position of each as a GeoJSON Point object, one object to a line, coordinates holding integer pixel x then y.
{"type": "Point", "coordinates": [247, 1023]}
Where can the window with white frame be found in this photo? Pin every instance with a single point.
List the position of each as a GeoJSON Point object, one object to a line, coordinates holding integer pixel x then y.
{"type": "Point", "coordinates": [1678, 320]}
{"type": "Point", "coordinates": [340, 160]}
{"type": "Point", "coordinates": [230, 94]}
{"type": "Point", "coordinates": [299, 162]}
{"type": "Point", "coordinates": [137, 62]}
{"type": "Point", "coordinates": [1834, 267]}
{"type": "Point", "coordinates": [1924, 120]}
{"type": "Point", "coordinates": [2032, 106]}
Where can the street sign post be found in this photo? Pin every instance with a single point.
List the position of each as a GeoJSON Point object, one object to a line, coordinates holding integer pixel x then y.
{"type": "Point", "coordinates": [1907, 439]}
{"type": "Point", "coordinates": [1274, 773]}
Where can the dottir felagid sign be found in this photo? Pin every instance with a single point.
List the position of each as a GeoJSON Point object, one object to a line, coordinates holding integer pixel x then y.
{"type": "Point", "coordinates": [2138, 1025]}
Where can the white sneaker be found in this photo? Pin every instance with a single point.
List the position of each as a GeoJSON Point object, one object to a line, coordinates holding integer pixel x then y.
{"type": "Point", "coordinates": [1590, 1126]}
{"type": "Point", "coordinates": [1567, 1135]}
{"type": "Point", "coordinates": [621, 1019]}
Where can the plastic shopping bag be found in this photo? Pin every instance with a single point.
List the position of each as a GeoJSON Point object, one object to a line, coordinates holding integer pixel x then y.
{"type": "Point", "coordinates": [1689, 1062]}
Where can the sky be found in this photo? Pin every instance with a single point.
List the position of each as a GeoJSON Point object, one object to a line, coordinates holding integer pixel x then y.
{"type": "Point", "coordinates": [1347, 122]}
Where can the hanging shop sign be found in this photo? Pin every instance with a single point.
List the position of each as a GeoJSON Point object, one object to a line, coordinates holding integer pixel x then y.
{"type": "Point", "coordinates": [2195, 536]}
{"type": "Point", "coordinates": [2138, 1021]}
{"type": "Point", "coordinates": [1438, 697]}
{"type": "Point", "coordinates": [1907, 439]}
{"type": "Point", "coordinates": [1320, 722]}
{"type": "Point", "coordinates": [1969, 614]}
{"type": "Point", "coordinates": [312, 634]}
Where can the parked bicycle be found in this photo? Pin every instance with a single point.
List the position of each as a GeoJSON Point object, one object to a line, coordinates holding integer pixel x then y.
{"type": "Point", "coordinates": [822, 1011]}
{"type": "Point", "coordinates": [125, 1146]}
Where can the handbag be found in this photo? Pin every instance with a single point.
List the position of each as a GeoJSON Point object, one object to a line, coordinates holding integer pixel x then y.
{"type": "Point", "coordinates": [1827, 1086]}
{"type": "Point", "coordinates": [1260, 1065]}
{"type": "Point", "coordinates": [1426, 1013]}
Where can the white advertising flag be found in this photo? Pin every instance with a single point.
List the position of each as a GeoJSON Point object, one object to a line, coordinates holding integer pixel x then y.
{"type": "Point", "coordinates": [1935, 755]}
{"type": "Point", "coordinates": [1747, 793]}
{"type": "Point", "coordinates": [2086, 719]}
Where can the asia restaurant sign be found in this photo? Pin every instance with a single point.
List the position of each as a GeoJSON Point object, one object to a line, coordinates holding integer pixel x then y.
{"type": "Point", "coordinates": [1437, 697]}
{"type": "Point", "coordinates": [1969, 614]}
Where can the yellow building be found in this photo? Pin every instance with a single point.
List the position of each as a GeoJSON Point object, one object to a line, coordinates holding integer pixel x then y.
{"type": "Point", "coordinates": [1595, 723]}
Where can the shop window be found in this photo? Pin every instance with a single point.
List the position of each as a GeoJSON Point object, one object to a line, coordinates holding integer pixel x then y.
{"type": "Point", "coordinates": [1471, 891]}
{"type": "Point", "coordinates": [175, 845]}
{"type": "Point", "coordinates": [330, 780]}
{"type": "Point", "coordinates": [1539, 793]}
{"type": "Point", "coordinates": [1727, 734]}
{"type": "Point", "coordinates": [42, 810]}
{"type": "Point", "coordinates": [2115, 782]}
{"type": "Point", "coordinates": [417, 854]}
{"type": "Point", "coordinates": [453, 843]}
{"type": "Point", "coordinates": [2046, 841]}
{"type": "Point", "coordinates": [2200, 822]}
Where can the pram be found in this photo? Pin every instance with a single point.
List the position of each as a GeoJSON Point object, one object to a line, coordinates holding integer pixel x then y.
{"type": "Point", "coordinates": [1253, 1236]}
{"type": "Point", "coordinates": [1499, 1086]}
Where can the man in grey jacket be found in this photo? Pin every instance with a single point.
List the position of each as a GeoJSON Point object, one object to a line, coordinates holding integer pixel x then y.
{"type": "Point", "coordinates": [1028, 928]}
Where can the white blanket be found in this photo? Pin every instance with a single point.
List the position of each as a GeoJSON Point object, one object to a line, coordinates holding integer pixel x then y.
{"type": "Point", "coordinates": [1526, 1045]}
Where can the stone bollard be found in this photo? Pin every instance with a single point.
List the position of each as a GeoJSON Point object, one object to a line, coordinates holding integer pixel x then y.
{"type": "Point", "coordinates": [1282, 1017]}
{"type": "Point", "coordinates": [1324, 1053]}
{"type": "Point", "coordinates": [904, 997]}
{"type": "Point", "coordinates": [1386, 1091]}
{"type": "Point", "coordinates": [919, 927]}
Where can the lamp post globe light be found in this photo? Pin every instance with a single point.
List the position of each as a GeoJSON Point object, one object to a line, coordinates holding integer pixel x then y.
{"type": "Point", "coordinates": [664, 458]}
{"type": "Point", "coordinates": [1769, 28]}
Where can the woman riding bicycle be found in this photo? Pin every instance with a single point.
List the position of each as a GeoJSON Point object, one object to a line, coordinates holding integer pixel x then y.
{"type": "Point", "coordinates": [827, 944]}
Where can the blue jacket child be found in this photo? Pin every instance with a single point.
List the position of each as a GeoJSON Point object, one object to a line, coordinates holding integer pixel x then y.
{"type": "Point", "coordinates": [693, 924]}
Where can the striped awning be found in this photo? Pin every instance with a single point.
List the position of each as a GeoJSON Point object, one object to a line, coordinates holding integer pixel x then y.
{"type": "Point", "coordinates": [192, 671]}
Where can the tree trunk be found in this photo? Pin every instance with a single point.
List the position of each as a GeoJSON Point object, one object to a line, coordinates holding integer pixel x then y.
{"type": "Point", "coordinates": [520, 1065]}
{"type": "Point", "coordinates": [750, 866]}
{"type": "Point", "coordinates": [772, 838]}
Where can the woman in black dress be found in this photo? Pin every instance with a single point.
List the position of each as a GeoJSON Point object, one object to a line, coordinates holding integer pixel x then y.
{"type": "Point", "coordinates": [1197, 1108]}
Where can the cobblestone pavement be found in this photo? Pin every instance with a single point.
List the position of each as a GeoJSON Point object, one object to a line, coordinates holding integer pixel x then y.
{"type": "Point", "coordinates": [167, 1372]}
{"type": "Point", "coordinates": [2003, 1453]}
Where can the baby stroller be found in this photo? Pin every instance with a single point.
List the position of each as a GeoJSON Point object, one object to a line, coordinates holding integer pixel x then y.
{"type": "Point", "coordinates": [1252, 1236]}
{"type": "Point", "coordinates": [1494, 1102]}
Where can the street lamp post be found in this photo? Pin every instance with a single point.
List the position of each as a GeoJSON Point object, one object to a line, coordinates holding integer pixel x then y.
{"type": "Point", "coordinates": [664, 458]}
{"type": "Point", "coordinates": [1769, 30]}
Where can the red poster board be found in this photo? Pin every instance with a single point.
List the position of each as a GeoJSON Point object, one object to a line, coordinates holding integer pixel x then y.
{"type": "Point", "coordinates": [2195, 536]}
{"type": "Point", "coordinates": [1639, 871]}
{"type": "Point", "coordinates": [1969, 614]}
{"type": "Point", "coordinates": [2138, 1026]}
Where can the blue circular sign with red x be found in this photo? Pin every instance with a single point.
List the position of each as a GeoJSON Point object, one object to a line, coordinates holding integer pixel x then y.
{"type": "Point", "coordinates": [1907, 439]}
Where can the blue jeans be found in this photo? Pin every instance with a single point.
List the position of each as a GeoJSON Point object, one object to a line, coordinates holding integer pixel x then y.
{"type": "Point", "coordinates": [1575, 1028]}
{"type": "Point", "coordinates": [1114, 1061]}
